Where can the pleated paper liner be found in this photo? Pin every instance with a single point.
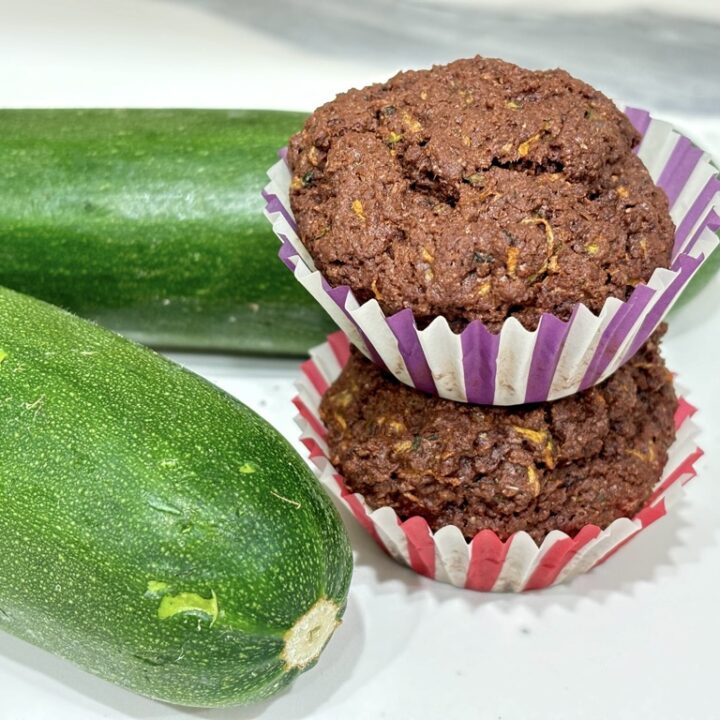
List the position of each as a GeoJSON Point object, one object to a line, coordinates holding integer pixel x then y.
{"type": "Point", "coordinates": [515, 365]}
{"type": "Point", "coordinates": [486, 563]}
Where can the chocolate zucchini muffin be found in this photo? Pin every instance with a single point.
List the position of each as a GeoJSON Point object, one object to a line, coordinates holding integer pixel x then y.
{"type": "Point", "coordinates": [478, 190]}
{"type": "Point", "coordinates": [589, 458]}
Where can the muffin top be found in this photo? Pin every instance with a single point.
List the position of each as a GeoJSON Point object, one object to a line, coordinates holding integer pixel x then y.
{"type": "Point", "coordinates": [588, 458]}
{"type": "Point", "coordinates": [478, 190]}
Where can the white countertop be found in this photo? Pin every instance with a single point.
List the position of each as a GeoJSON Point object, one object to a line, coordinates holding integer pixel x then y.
{"type": "Point", "coordinates": [638, 637]}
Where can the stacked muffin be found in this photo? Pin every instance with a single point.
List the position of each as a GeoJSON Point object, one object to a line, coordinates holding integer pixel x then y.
{"type": "Point", "coordinates": [495, 207]}
{"type": "Point", "coordinates": [478, 191]}
{"type": "Point", "coordinates": [586, 459]}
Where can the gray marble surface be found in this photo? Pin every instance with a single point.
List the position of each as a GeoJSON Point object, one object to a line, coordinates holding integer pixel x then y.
{"type": "Point", "coordinates": [667, 61]}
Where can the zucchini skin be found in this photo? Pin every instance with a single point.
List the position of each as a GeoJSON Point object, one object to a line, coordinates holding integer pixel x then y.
{"type": "Point", "coordinates": [150, 222]}
{"type": "Point", "coordinates": [702, 277]}
{"type": "Point", "coordinates": [153, 529]}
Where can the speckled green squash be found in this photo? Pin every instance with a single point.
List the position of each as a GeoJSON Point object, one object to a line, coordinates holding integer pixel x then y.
{"type": "Point", "coordinates": [708, 270]}
{"type": "Point", "coordinates": [153, 529]}
{"type": "Point", "coordinates": [151, 223]}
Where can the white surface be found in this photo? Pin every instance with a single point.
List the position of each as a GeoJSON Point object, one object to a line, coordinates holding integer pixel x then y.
{"type": "Point", "coordinates": [637, 638]}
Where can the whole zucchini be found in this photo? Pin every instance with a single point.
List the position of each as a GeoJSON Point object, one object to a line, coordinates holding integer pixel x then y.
{"type": "Point", "coordinates": [150, 222]}
{"type": "Point", "coordinates": [153, 529]}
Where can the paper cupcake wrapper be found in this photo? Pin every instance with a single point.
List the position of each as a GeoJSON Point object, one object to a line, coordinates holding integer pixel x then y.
{"type": "Point", "coordinates": [486, 563]}
{"type": "Point", "coordinates": [515, 365]}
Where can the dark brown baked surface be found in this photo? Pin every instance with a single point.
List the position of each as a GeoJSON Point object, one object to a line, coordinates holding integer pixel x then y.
{"type": "Point", "coordinates": [478, 190]}
{"type": "Point", "coordinates": [589, 458]}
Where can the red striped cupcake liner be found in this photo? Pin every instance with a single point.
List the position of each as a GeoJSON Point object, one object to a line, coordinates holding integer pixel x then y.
{"type": "Point", "coordinates": [486, 563]}
{"type": "Point", "coordinates": [515, 365]}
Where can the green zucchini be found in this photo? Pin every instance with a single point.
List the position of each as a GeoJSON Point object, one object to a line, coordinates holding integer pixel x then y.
{"type": "Point", "coordinates": [153, 529]}
{"type": "Point", "coordinates": [150, 222]}
{"type": "Point", "coordinates": [708, 270]}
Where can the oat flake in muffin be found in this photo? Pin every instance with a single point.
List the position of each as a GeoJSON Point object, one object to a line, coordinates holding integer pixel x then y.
{"type": "Point", "coordinates": [478, 190]}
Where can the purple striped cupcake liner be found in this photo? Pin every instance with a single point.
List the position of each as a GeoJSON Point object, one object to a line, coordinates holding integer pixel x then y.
{"type": "Point", "coordinates": [515, 365]}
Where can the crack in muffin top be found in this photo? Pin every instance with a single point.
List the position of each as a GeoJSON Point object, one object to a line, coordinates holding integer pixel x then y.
{"type": "Point", "coordinates": [478, 190]}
